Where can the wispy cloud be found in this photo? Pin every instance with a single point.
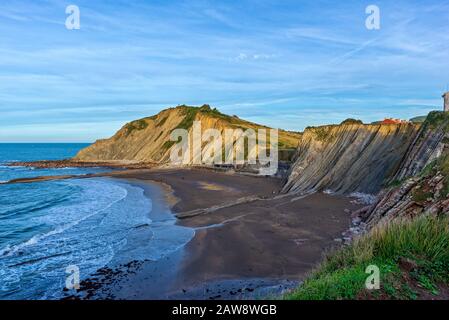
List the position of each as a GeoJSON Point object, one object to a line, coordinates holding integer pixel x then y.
{"type": "Point", "coordinates": [287, 64]}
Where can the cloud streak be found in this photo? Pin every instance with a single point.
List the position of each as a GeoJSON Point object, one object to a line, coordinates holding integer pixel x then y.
{"type": "Point", "coordinates": [289, 64]}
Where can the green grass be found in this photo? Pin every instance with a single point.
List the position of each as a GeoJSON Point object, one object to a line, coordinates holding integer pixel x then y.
{"type": "Point", "coordinates": [189, 117]}
{"type": "Point", "coordinates": [322, 133]}
{"type": "Point", "coordinates": [437, 119]}
{"type": "Point", "coordinates": [135, 125]}
{"type": "Point", "coordinates": [167, 145]}
{"type": "Point", "coordinates": [440, 165]}
{"type": "Point", "coordinates": [395, 183]}
{"type": "Point", "coordinates": [420, 195]}
{"type": "Point", "coordinates": [351, 121]}
{"type": "Point", "coordinates": [191, 112]}
{"type": "Point", "coordinates": [424, 240]}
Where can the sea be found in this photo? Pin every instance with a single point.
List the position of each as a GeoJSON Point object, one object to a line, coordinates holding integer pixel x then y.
{"type": "Point", "coordinates": [52, 232]}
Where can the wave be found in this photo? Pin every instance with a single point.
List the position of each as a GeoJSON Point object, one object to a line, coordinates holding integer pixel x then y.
{"type": "Point", "coordinates": [3, 162]}
{"type": "Point", "coordinates": [12, 167]}
{"type": "Point", "coordinates": [103, 223]}
{"type": "Point", "coordinates": [35, 239]}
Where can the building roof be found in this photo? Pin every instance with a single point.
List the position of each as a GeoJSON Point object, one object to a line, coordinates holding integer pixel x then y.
{"type": "Point", "coordinates": [393, 121]}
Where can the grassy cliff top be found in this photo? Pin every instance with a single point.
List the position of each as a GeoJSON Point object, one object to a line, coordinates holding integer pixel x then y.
{"type": "Point", "coordinates": [287, 139]}
{"type": "Point", "coordinates": [437, 119]}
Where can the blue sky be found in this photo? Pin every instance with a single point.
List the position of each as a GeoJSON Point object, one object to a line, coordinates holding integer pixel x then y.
{"type": "Point", "coordinates": [286, 63]}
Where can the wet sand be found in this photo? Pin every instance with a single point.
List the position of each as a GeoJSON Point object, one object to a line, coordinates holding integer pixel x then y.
{"type": "Point", "coordinates": [252, 249]}
{"type": "Point", "coordinates": [201, 188]}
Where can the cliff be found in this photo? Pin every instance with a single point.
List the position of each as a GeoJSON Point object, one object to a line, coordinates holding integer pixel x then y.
{"type": "Point", "coordinates": [148, 139]}
{"type": "Point", "coordinates": [404, 233]}
{"type": "Point", "coordinates": [422, 182]}
{"type": "Point", "coordinates": [350, 157]}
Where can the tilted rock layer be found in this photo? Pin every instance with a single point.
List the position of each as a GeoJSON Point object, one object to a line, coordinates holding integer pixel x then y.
{"type": "Point", "coordinates": [422, 182]}
{"type": "Point", "coordinates": [148, 139]}
{"type": "Point", "coordinates": [406, 164]}
{"type": "Point", "coordinates": [349, 158]}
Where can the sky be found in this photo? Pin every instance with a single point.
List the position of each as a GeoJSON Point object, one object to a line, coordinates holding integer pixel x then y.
{"type": "Point", "coordinates": [287, 64]}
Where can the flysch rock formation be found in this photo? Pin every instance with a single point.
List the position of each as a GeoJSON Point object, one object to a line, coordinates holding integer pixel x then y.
{"type": "Point", "coordinates": [425, 148]}
{"type": "Point", "coordinates": [423, 187]}
{"type": "Point", "coordinates": [406, 165]}
{"type": "Point", "coordinates": [350, 157]}
{"type": "Point", "coordinates": [148, 139]}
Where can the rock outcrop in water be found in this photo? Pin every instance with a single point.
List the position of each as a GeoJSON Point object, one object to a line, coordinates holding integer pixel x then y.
{"type": "Point", "coordinates": [350, 157]}
{"type": "Point", "coordinates": [148, 139]}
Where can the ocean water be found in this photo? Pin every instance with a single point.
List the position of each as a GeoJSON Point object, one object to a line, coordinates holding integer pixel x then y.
{"type": "Point", "coordinates": [46, 227]}
{"type": "Point", "coordinates": [13, 152]}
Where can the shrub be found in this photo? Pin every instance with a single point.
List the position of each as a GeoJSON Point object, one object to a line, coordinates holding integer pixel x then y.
{"type": "Point", "coordinates": [322, 133]}
{"type": "Point", "coordinates": [352, 121]}
{"type": "Point", "coordinates": [135, 125]}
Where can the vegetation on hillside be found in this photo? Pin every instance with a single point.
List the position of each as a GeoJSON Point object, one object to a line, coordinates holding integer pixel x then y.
{"type": "Point", "coordinates": [191, 112]}
{"type": "Point", "coordinates": [419, 119]}
{"type": "Point", "coordinates": [436, 121]}
{"type": "Point", "coordinates": [425, 192]}
{"type": "Point", "coordinates": [162, 122]}
{"type": "Point", "coordinates": [322, 134]}
{"type": "Point", "coordinates": [135, 125]}
{"type": "Point", "coordinates": [186, 115]}
{"type": "Point", "coordinates": [287, 139]}
{"type": "Point", "coordinates": [351, 121]}
{"type": "Point", "coordinates": [412, 255]}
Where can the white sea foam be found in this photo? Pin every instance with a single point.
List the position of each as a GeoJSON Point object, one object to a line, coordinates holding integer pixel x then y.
{"type": "Point", "coordinates": [17, 167]}
{"type": "Point", "coordinates": [66, 218]}
{"type": "Point", "coordinates": [104, 222]}
{"type": "Point", "coordinates": [5, 250]}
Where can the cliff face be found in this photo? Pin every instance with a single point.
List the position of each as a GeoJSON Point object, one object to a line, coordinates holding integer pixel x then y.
{"type": "Point", "coordinates": [148, 139]}
{"type": "Point", "coordinates": [140, 140]}
{"type": "Point", "coordinates": [424, 174]}
{"type": "Point", "coordinates": [425, 148]}
{"type": "Point", "coordinates": [349, 157]}
{"type": "Point", "coordinates": [409, 161]}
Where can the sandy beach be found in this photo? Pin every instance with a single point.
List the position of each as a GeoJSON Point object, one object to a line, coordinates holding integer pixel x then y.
{"type": "Point", "coordinates": [257, 248]}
